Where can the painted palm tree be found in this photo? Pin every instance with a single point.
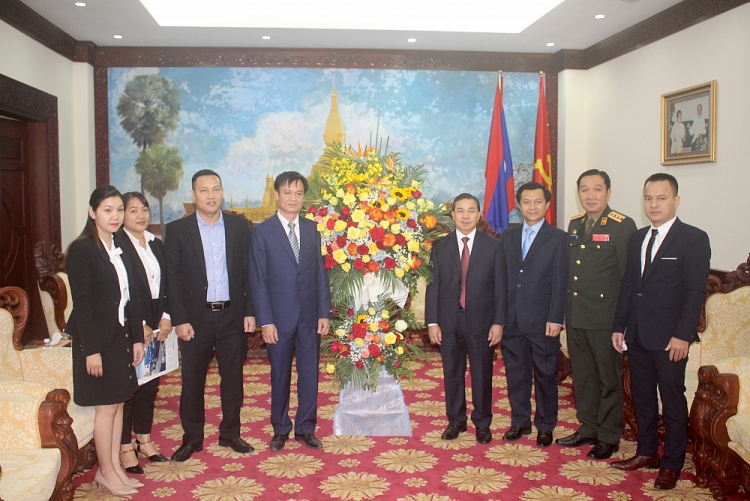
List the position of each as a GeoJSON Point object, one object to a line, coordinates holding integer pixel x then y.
{"type": "Point", "coordinates": [149, 108]}
{"type": "Point", "coordinates": [160, 168]}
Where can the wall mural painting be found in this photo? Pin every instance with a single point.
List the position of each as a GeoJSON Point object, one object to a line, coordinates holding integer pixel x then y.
{"type": "Point", "coordinates": [250, 124]}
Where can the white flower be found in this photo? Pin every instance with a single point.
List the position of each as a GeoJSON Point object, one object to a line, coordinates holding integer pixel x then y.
{"type": "Point", "coordinates": [400, 325]}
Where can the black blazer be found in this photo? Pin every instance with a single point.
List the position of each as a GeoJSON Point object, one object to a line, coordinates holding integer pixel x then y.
{"type": "Point", "coordinates": [186, 271]}
{"type": "Point", "coordinates": [96, 297]}
{"type": "Point", "coordinates": [667, 302]}
{"type": "Point", "coordinates": [141, 291]}
{"type": "Point", "coordinates": [537, 287]}
{"type": "Point", "coordinates": [484, 285]}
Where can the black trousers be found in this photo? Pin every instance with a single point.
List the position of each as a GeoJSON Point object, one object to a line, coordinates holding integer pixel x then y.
{"type": "Point", "coordinates": [231, 348]}
{"type": "Point", "coordinates": [531, 357]}
{"type": "Point", "coordinates": [138, 412]}
{"type": "Point", "coordinates": [650, 369]}
{"type": "Point", "coordinates": [454, 348]}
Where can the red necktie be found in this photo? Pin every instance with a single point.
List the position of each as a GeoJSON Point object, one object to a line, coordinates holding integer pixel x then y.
{"type": "Point", "coordinates": [465, 255]}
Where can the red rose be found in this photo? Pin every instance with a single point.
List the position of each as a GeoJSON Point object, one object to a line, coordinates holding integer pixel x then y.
{"type": "Point", "coordinates": [323, 212]}
{"type": "Point", "coordinates": [330, 223]}
{"type": "Point", "coordinates": [350, 312]}
{"type": "Point", "coordinates": [377, 233]}
{"type": "Point", "coordinates": [359, 364]}
{"type": "Point", "coordinates": [363, 250]}
{"type": "Point", "coordinates": [358, 264]}
{"type": "Point", "coordinates": [346, 211]}
{"type": "Point", "coordinates": [384, 326]}
{"type": "Point", "coordinates": [411, 223]}
{"type": "Point", "coordinates": [330, 262]}
{"type": "Point", "coordinates": [417, 263]}
{"type": "Point", "coordinates": [416, 193]}
{"type": "Point", "coordinates": [341, 241]}
{"type": "Point", "coordinates": [358, 331]}
{"type": "Point", "coordinates": [374, 350]}
{"type": "Point", "coordinates": [400, 240]}
{"type": "Point", "coordinates": [373, 266]}
{"type": "Point", "coordinates": [389, 263]}
{"type": "Point", "coordinates": [335, 346]}
{"type": "Point", "coordinates": [397, 363]}
{"type": "Point", "coordinates": [351, 224]}
{"type": "Point", "coordinates": [380, 245]}
{"type": "Point", "coordinates": [312, 209]}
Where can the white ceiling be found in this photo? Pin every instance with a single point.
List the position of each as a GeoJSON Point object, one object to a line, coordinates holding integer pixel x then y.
{"type": "Point", "coordinates": [570, 25]}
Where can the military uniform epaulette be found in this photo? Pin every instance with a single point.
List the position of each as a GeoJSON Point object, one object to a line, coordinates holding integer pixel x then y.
{"type": "Point", "coordinates": [578, 216]}
{"type": "Point", "coordinates": [616, 216]}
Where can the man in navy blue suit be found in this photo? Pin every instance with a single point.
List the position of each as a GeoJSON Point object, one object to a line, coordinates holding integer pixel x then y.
{"type": "Point", "coordinates": [660, 301]}
{"type": "Point", "coordinates": [535, 258]}
{"type": "Point", "coordinates": [292, 300]}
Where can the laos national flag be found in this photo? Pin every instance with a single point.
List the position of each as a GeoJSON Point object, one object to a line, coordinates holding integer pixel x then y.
{"type": "Point", "coordinates": [499, 190]}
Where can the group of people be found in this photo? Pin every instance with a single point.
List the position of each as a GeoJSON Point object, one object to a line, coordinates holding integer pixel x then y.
{"type": "Point", "coordinates": [612, 287]}
{"type": "Point", "coordinates": [697, 132]}
{"type": "Point", "coordinates": [129, 288]}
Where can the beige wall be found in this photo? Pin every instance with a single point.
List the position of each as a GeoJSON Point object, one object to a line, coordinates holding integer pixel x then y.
{"type": "Point", "coordinates": [27, 61]}
{"type": "Point", "coordinates": [610, 119]}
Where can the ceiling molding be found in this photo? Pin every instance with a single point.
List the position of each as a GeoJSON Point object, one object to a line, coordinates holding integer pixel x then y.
{"type": "Point", "coordinates": [668, 22]}
{"type": "Point", "coordinates": [84, 52]}
{"type": "Point", "coordinates": [31, 24]}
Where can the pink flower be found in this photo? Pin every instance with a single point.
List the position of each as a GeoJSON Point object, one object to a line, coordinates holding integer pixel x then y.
{"type": "Point", "coordinates": [365, 353]}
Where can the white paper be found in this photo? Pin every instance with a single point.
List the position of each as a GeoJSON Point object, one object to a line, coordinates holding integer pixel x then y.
{"type": "Point", "coordinates": [161, 358]}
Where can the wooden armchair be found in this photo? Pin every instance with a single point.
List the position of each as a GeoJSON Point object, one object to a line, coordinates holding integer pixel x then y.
{"type": "Point", "coordinates": [54, 289]}
{"type": "Point", "coordinates": [45, 372]}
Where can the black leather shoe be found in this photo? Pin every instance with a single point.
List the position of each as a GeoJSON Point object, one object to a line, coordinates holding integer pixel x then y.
{"type": "Point", "coordinates": [544, 438]}
{"type": "Point", "coordinates": [185, 451]}
{"type": "Point", "coordinates": [452, 431]}
{"type": "Point", "coordinates": [155, 458]}
{"type": "Point", "coordinates": [278, 442]}
{"type": "Point", "coordinates": [603, 450]}
{"type": "Point", "coordinates": [575, 440]}
{"type": "Point", "coordinates": [637, 462]}
{"type": "Point", "coordinates": [309, 440]}
{"type": "Point", "coordinates": [484, 435]}
{"type": "Point", "coordinates": [516, 433]}
{"type": "Point", "coordinates": [136, 470]}
{"type": "Point", "coordinates": [666, 480]}
{"type": "Point", "coordinates": [236, 444]}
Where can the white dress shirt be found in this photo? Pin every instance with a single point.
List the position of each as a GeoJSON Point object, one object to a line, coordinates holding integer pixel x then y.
{"type": "Point", "coordinates": [660, 236]}
{"type": "Point", "coordinates": [285, 225]}
{"type": "Point", "coordinates": [469, 243]}
{"type": "Point", "coordinates": [122, 277]}
{"type": "Point", "coordinates": [150, 264]}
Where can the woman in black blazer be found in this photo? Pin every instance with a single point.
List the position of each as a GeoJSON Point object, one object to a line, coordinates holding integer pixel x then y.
{"type": "Point", "coordinates": [149, 293]}
{"type": "Point", "coordinates": [106, 330]}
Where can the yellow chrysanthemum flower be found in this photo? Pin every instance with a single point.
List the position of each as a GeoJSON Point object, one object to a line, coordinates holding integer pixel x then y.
{"type": "Point", "coordinates": [346, 267]}
{"type": "Point", "coordinates": [365, 259]}
{"type": "Point", "coordinates": [373, 248]}
{"type": "Point", "coordinates": [412, 245]}
{"type": "Point", "coordinates": [310, 216]}
{"type": "Point", "coordinates": [395, 228]}
{"type": "Point", "coordinates": [371, 310]}
{"type": "Point", "coordinates": [396, 247]}
{"type": "Point", "coordinates": [373, 327]}
{"type": "Point", "coordinates": [340, 332]}
{"type": "Point", "coordinates": [389, 338]}
{"type": "Point", "coordinates": [400, 350]}
{"type": "Point", "coordinates": [330, 368]}
{"type": "Point", "coordinates": [349, 199]}
{"type": "Point", "coordinates": [352, 234]}
{"type": "Point", "coordinates": [359, 342]}
{"type": "Point", "coordinates": [410, 205]}
{"type": "Point", "coordinates": [399, 272]}
{"type": "Point", "coordinates": [358, 215]}
{"type": "Point", "coordinates": [339, 256]}
{"type": "Point", "coordinates": [385, 224]}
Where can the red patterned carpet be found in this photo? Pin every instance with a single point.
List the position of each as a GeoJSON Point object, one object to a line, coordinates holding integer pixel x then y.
{"type": "Point", "coordinates": [422, 467]}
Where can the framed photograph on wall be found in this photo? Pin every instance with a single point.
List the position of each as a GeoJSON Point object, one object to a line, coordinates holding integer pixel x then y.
{"type": "Point", "coordinates": [688, 125]}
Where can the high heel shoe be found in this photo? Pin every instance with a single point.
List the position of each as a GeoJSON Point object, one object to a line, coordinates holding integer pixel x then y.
{"type": "Point", "coordinates": [134, 483]}
{"type": "Point", "coordinates": [125, 490]}
{"type": "Point", "coordinates": [136, 469]}
{"type": "Point", "coordinates": [156, 458]}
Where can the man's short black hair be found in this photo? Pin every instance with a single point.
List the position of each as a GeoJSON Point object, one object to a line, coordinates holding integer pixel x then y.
{"type": "Point", "coordinates": [289, 177]}
{"type": "Point", "coordinates": [204, 172]}
{"type": "Point", "coordinates": [533, 186]}
{"type": "Point", "coordinates": [663, 176]}
{"type": "Point", "coordinates": [467, 196]}
{"type": "Point", "coordinates": [595, 172]}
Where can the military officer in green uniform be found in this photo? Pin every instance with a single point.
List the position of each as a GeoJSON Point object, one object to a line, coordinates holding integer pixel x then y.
{"type": "Point", "coordinates": [598, 240]}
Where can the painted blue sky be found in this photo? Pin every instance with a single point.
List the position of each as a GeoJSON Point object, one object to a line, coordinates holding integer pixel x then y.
{"type": "Point", "coordinates": [248, 122]}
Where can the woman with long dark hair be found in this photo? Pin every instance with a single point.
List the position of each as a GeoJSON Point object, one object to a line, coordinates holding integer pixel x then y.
{"type": "Point", "coordinates": [107, 332]}
{"type": "Point", "coordinates": [149, 292]}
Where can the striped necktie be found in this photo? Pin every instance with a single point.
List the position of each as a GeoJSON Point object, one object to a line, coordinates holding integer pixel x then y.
{"type": "Point", "coordinates": [293, 241]}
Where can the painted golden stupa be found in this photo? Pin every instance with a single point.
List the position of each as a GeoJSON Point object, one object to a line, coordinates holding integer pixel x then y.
{"type": "Point", "coordinates": [333, 133]}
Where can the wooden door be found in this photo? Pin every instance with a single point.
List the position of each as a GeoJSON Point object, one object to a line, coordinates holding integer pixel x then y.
{"type": "Point", "coordinates": [16, 249]}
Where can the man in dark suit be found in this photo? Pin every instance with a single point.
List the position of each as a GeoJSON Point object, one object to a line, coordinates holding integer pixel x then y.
{"type": "Point", "coordinates": [598, 244]}
{"type": "Point", "coordinates": [660, 302]}
{"type": "Point", "coordinates": [292, 301]}
{"type": "Point", "coordinates": [535, 257]}
{"type": "Point", "coordinates": [462, 309]}
{"type": "Point", "coordinates": [211, 307]}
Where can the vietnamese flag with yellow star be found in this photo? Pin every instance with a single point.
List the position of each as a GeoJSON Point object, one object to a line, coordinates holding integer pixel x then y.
{"type": "Point", "coordinates": [542, 173]}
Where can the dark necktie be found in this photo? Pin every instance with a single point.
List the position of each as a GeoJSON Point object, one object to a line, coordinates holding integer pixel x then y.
{"type": "Point", "coordinates": [465, 256]}
{"type": "Point", "coordinates": [589, 226]}
{"type": "Point", "coordinates": [649, 248]}
{"type": "Point", "coordinates": [293, 241]}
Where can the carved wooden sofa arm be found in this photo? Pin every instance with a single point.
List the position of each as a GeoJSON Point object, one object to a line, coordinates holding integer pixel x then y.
{"type": "Point", "coordinates": [55, 429]}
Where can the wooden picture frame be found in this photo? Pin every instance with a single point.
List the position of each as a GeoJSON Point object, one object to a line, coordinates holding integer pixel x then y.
{"type": "Point", "coordinates": [688, 125]}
